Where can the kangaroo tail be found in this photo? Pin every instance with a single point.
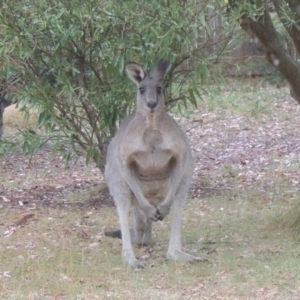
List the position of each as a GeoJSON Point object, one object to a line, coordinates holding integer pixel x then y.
{"type": "Point", "coordinates": [114, 234]}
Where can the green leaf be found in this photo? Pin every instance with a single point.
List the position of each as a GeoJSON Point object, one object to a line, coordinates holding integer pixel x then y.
{"type": "Point", "coordinates": [70, 59]}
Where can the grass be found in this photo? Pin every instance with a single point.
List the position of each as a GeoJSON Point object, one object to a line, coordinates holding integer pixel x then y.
{"type": "Point", "coordinates": [244, 233]}
{"type": "Point", "coordinates": [15, 119]}
{"type": "Point", "coordinates": [253, 97]}
{"type": "Point", "coordinates": [64, 255]}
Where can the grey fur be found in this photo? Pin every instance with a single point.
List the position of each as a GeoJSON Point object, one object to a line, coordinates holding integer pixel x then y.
{"type": "Point", "coordinates": [149, 167]}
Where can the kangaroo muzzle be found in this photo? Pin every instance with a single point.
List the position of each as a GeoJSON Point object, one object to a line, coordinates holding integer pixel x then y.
{"type": "Point", "coordinates": [152, 105]}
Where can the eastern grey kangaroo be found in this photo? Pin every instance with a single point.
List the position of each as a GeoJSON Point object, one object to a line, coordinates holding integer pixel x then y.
{"type": "Point", "coordinates": [149, 166]}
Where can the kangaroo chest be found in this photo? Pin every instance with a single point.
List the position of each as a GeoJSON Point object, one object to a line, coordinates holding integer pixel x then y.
{"type": "Point", "coordinates": [152, 158]}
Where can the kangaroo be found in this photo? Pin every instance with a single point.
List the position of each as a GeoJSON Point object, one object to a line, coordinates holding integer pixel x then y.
{"type": "Point", "coordinates": [149, 167]}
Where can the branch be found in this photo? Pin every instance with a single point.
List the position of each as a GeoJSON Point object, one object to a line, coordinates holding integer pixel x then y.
{"type": "Point", "coordinates": [293, 28]}
{"type": "Point", "coordinates": [265, 31]}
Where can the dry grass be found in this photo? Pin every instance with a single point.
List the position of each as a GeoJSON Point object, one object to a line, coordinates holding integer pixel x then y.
{"type": "Point", "coordinates": [63, 254]}
{"type": "Point", "coordinates": [13, 118]}
{"type": "Point", "coordinates": [246, 180]}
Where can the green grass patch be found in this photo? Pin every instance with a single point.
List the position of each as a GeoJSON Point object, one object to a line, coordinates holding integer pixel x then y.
{"type": "Point", "coordinates": [64, 254]}
{"type": "Point", "coordinates": [252, 97]}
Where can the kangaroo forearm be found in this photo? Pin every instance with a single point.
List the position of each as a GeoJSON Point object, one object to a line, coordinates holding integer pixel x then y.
{"type": "Point", "coordinates": [175, 181]}
{"type": "Point", "coordinates": [131, 181]}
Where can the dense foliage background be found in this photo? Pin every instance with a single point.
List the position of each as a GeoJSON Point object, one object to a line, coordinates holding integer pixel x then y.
{"type": "Point", "coordinates": [70, 59]}
{"type": "Point", "coordinates": [67, 58]}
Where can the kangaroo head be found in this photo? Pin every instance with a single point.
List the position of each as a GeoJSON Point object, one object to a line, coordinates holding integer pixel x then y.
{"type": "Point", "coordinates": [150, 96]}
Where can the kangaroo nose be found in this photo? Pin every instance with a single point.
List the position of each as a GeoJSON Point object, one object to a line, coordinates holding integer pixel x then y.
{"type": "Point", "coordinates": [151, 105]}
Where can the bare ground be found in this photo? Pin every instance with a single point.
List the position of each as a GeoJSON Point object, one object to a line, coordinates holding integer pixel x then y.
{"type": "Point", "coordinates": [251, 150]}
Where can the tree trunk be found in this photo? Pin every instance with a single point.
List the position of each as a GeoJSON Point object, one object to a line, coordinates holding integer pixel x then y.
{"type": "Point", "coordinates": [6, 97]}
{"type": "Point", "coordinates": [1, 121]}
{"type": "Point", "coordinates": [276, 53]}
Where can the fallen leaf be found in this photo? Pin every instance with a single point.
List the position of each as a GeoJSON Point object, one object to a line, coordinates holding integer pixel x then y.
{"type": "Point", "coordinates": [82, 235]}
{"type": "Point", "coordinates": [9, 231]}
{"type": "Point", "coordinates": [5, 199]}
{"type": "Point", "coordinates": [6, 274]}
{"type": "Point", "coordinates": [93, 245]}
{"type": "Point", "coordinates": [212, 251]}
{"type": "Point", "coordinates": [24, 220]}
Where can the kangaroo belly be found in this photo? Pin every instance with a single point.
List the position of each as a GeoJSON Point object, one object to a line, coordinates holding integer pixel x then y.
{"type": "Point", "coordinates": [155, 190]}
{"type": "Point", "coordinates": [153, 165]}
{"type": "Point", "coordinates": [153, 171]}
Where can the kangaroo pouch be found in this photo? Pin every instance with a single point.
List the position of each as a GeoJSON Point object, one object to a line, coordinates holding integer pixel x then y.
{"type": "Point", "coordinates": [154, 191]}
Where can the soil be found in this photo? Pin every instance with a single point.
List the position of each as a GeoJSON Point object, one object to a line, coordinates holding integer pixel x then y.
{"type": "Point", "coordinates": [253, 151]}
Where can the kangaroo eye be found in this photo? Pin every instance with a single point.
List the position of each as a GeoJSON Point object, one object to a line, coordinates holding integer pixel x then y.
{"type": "Point", "coordinates": [158, 89]}
{"type": "Point", "coordinates": [142, 90]}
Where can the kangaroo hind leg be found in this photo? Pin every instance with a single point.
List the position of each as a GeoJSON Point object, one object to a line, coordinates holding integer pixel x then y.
{"type": "Point", "coordinates": [123, 206]}
{"type": "Point", "coordinates": [174, 251]}
{"type": "Point", "coordinates": [141, 233]}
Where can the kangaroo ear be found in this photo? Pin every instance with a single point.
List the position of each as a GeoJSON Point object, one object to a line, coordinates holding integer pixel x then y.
{"type": "Point", "coordinates": [162, 66]}
{"type": "Point", "coordinates": [160, 70]}
{"type": "Point", "coordinates": [135, 72]}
